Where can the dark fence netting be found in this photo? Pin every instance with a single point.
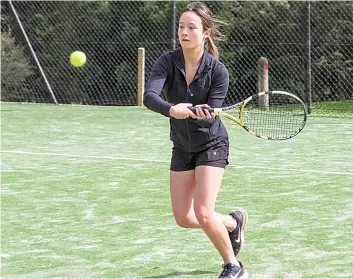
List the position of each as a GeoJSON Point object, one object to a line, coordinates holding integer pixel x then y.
{"type": "Point", "coordinates": [309, 46]}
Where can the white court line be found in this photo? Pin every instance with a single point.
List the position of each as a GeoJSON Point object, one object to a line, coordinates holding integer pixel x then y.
{"type": "Point", "coordinates": [164, 161]}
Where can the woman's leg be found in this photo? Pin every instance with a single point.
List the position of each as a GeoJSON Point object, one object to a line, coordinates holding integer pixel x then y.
{"type": "Point", "coordinates": [208, 183]}
{"type": "Point", "coordinates": [182, 190]}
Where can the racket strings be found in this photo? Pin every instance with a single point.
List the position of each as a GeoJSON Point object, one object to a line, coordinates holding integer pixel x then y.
{"type": "Point", "coordinates": [279, 117]}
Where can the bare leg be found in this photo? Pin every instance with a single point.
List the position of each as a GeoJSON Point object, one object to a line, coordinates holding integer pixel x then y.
{"type": "Point", "coordinates": [182, 190]}
{"type": "Point", "coordinates": [208, 183]}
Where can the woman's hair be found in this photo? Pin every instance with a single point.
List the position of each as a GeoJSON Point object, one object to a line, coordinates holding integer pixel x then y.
{"type": "Point", "coordinates": [208, 22]}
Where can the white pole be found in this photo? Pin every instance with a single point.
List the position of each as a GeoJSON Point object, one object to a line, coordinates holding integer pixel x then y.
{"type": "Point", "coordinates": [33, 53]}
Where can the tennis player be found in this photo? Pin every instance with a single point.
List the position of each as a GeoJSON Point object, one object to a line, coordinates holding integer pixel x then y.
{"type": "Point", "coordinates": [189, 76]}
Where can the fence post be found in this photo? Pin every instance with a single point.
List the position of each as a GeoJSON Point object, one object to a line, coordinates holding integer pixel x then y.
{"type": "Point", "coordinates": [140, 76]}
{"type": "Point", "coordinates": [262, 80]}
{"type": "Point", "coordinates": [308, 43]}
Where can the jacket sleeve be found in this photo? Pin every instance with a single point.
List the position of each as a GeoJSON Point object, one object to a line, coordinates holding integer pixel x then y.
{"type": "Point", "coordinates": [152, 99]}
{"type": "Point", "coordinates": [219, 87]}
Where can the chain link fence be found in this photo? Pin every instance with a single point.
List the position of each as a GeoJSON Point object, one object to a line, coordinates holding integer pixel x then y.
{"type": "Point", "coordinates": [309, 46]}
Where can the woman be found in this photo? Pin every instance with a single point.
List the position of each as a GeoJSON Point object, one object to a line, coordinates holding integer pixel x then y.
{"type": "Point", "coordinates": [193, 76]}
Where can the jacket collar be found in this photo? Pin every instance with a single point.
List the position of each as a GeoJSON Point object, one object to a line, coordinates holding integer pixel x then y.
{"type": "Point", "coordinates": [204, 65]}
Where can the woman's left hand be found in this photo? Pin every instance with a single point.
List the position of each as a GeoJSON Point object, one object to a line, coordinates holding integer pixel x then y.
{"type": "Point", "coordinates": [202, 114]}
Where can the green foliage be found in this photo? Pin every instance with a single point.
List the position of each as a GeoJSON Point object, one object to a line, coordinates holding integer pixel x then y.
{"type": "Point", "coordinates": [110, 32]}
{"type": "Point", "coordinates": [333, 108]}
{"type": "Point", "coordinates": [15, 69]}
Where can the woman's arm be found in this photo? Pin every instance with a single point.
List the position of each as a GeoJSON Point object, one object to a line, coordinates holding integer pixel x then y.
{"type": "Point", "coordinates": [152, 99]}
{"type": "Point", "coordinates": [219, 87]}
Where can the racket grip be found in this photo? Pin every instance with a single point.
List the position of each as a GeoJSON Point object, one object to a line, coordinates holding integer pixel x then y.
{"type": "Point", "coordinates": [193, 109]}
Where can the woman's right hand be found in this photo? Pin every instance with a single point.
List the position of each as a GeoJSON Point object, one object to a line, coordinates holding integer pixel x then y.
{"type": "Point", "coordinates": [181, 111]}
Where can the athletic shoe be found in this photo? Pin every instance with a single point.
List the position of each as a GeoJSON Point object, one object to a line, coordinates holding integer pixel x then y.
{"type": "Point", "coordinates": [237, 235]}
{"type": "Point", "coordinates": [232, 271]}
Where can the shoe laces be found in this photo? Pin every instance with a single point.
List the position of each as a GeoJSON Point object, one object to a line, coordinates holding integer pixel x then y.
{"type": "Point", "coordinates": [227, 270]}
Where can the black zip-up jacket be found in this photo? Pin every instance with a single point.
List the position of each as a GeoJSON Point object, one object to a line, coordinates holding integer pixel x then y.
{"type": "Point", "coordinates": [209, 86]}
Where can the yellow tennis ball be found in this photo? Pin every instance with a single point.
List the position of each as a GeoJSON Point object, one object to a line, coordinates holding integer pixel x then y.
{"type": "Point", "coordinates": [78, 58]}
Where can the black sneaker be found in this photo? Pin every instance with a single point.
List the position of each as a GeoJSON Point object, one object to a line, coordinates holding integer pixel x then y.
{"type": "Point", "coordinates": [237, 235]}
{"type": "Point", "coordinates": [232, 271]}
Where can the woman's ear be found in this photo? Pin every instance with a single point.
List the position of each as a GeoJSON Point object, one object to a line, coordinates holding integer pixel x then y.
{"type": "Point", "coordinates": [207, 33]}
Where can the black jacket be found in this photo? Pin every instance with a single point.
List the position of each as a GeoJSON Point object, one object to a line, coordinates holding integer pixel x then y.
{"type": "Point", "coordinates": [210, 86]}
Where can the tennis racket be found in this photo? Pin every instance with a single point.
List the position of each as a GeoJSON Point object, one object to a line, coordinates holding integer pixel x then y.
{"type": "Point", "coordinates": [270, 115]}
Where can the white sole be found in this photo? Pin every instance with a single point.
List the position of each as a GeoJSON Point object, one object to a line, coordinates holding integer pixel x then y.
{"type": "Point", "coordinates": [245, 276]}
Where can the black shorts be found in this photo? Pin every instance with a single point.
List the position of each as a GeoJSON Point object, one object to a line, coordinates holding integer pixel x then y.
{"type": "Point", "coordinates": [216, 156]}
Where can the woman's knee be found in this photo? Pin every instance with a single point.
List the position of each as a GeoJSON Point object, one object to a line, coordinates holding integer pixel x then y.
{"type": "Point", "coordinates": [183, 221]}
{"type": "Point", "coordinates": [204, 216]}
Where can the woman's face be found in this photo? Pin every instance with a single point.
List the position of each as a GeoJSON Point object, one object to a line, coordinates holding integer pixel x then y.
{"type": "Point", "coordinates": [190, 32]}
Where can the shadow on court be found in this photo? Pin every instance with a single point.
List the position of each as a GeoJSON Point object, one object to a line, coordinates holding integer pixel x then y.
{"type": "Point", "coordinates": [179, 274]}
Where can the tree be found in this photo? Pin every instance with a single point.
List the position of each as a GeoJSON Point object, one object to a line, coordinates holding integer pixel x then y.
{"type": "Point", "coordinates": [15, 66]}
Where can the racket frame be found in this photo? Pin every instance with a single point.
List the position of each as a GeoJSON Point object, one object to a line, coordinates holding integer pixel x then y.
{"type": "Point", "coordinates": [223, 112]}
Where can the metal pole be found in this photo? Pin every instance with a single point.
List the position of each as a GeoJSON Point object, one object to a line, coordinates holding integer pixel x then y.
{"type": "Point", "coordinates": [174, 24]}
{"type": "Point", "coordinates": [309, 57]}
{"type": "Point", "coordinates": [33, 53]}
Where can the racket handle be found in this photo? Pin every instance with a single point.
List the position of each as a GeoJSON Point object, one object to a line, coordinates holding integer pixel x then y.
{"type": "Point", "coordinates": [193, 109]}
